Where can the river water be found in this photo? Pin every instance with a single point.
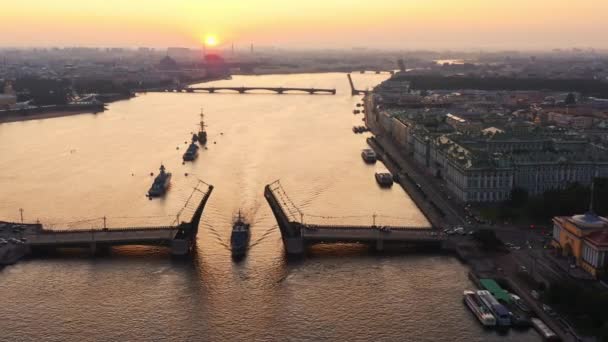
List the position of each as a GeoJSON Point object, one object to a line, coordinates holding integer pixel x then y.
{"type": "Point", "coordinates": [70, 172]}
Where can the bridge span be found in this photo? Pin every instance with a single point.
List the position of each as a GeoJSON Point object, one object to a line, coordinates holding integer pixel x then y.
{"type": "Point", "coordinates": [180, 238]}
{"type": "Point", "coordinates": [354, 91]}
{"type": "Point", "coordinates": [245, 90]}
{"type": "Point", "coordinates": [297, 234]}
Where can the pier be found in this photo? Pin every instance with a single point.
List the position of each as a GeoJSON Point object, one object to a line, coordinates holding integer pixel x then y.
{"type": "Point", "coordinates": [180, 237]}
{"type": "Point", "coordinates": [245, 90]}
{"type": "Point", "coordinates": [297, 234]}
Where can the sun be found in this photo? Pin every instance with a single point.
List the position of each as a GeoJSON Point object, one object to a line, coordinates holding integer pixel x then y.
{"type": "Point", "coordinates": [211, 40]}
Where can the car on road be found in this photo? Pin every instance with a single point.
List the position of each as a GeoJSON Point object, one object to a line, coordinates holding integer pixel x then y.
{"type": "Point", "coordinates": [549, 310]}
{"type": "Point", "coordinates": [535, 294]}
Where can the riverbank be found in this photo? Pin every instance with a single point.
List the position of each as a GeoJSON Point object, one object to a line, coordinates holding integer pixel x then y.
{"type": "Point", "coordinates": [47, 112]}
{"type": "Point", "coordinates": [483, 264]}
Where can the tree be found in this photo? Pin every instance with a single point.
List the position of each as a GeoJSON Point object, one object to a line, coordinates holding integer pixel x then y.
{"type": "Point", "coordinates": [487, 238]}
{"type": "Point", "coordinates": [518, 197]}
{"type": "Point", "coordinates": [570, 99]}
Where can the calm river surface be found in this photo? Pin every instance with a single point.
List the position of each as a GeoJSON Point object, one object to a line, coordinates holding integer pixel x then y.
{"type": "Point", "coordinates": [69, 172]}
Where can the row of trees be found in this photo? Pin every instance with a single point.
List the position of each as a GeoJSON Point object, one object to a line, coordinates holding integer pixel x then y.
{"type": "Point", "coordinates": [573, 199]}
{"type": "Point", "coordinates": [43, 91]}
{"type": "Point", "coordinates": [587, 87]}
{"type": "Point", "coordinates": [585, 306]}
{"type": "Point", "coordinates": [58, 92]}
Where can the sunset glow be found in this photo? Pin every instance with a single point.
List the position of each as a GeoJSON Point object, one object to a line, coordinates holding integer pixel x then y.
{"type": "Point", "coordinates": [314, 23]}
{"type": "Point", "coordinates": [211, 40]}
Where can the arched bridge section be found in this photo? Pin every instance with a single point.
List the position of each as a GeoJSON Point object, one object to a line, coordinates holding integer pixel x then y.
{"type": "Point", "coordinates": [180, 236]}
{"type": "Point", "coordinates": [297, 235]}
{"type": "Point", "coordinates": [244, 90]}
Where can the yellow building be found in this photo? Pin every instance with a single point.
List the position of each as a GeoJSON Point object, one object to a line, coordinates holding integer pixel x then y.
{"type": "Point", "coordinates": [585, 239]}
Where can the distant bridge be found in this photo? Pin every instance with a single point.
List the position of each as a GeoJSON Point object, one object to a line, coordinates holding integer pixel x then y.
{"type": "Point", "coordinates": [244, 90]}
{"type": "Point", "coordinates": [391, 72]}
{"type": "Point", "coordinates": [180, 238]}
{"type": "Point", "coordinates": [297, 235]}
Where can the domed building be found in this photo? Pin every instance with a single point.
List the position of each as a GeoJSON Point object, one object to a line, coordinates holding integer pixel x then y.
{"type": "Point", "coordinates": [583, 238]}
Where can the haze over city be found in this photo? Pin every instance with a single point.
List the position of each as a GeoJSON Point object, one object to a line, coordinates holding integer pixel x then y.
{"type": "Point", "coordinates": [317, 170]}
{"type": "Point", "coordinates": [388, 24]}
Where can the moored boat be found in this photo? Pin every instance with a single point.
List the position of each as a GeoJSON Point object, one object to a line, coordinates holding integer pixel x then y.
{"type": "Point", "coordinates": [161, 183]}
{"type": "Point", "coordinates": [478, 308]}
{"type": "Point", "coordinates": [369, 156]}
{"type": "Point", "coordinates": [384, 179]}
{"type": "Point", "coordinates": [502, 315]}
{"type": "Point", "coordinates": [239, 239]}
{"type": "Point", "coordinates": [192, 152]}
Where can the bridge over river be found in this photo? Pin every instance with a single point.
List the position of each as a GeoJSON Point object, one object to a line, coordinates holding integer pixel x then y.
{"type": "Point", "coordinates": [245, 90]}
{"type": "Point", "coordinates": [297, 234]}
{"type": "Point", "coordinates": [179, 237]}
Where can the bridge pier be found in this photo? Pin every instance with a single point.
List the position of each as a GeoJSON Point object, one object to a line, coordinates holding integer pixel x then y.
{"type": "Point", "coordinates": [294, 246]}
{"type": "Point", "coordinates": [380, 244]}
{"type": "Point", "coordinates": [181, 247]}
{"type": "Point", "coordinates": [93, 248]}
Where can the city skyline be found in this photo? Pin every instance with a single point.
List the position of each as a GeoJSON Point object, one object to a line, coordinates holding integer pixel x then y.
{"type": "Point", "coordinates": [388, 24]}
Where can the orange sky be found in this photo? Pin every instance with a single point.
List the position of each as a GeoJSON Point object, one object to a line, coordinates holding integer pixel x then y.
{"type": "Point", "coordinates": [312, 23]}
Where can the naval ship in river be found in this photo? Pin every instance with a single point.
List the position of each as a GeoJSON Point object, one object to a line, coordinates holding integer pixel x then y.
{"type": "Point", "coordinates": [161, 183]}
{"type": "Point", "coordinates": [239, 240]}
{"type": "Point", "coordinates": [192, 151]}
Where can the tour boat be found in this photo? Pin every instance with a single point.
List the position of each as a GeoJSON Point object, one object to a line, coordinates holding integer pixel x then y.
{"type": "Point", "coordinates": [503, 317]}
{"type": "Point", "coordinates": [161, 183]}
{"type": "Point", "coordinates": [478, 308]}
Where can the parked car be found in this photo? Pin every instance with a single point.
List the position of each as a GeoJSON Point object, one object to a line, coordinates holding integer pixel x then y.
{"type": "Point", "coordinates": [549, 310]}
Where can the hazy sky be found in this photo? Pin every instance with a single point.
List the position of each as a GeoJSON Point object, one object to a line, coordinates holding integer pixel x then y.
{"type": "Point", "coordinates": [410, 24]}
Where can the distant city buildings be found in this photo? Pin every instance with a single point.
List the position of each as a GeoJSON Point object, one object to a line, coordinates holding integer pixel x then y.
{"type": "Point", "coordinates": [484, 144]}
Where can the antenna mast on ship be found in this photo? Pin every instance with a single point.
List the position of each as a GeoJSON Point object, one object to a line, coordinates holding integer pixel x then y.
{"type": "Point", "coordinates": [202, 135]}
{"type": "Point", "coordinates": [202, 120]}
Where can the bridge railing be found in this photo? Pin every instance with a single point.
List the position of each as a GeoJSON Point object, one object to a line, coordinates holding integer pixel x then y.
{"type": "Point", "coordinates": [106, 230]}
{"type": "Point", "coordinates": [347, 227]}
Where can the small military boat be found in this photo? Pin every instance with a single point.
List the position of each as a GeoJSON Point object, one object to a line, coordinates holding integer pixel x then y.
{"type": "Point", "coordinates": [239, 240]}
{"type": "Point", "coordinates": [192, 152]}
{"type": "Point", "coordinates": [202, 134]}
{"type": "Point", "coordinates": [161, 183]}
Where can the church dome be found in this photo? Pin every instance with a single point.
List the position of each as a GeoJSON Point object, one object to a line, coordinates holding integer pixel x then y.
{"type": "Point", "coordinates": [589, 220]}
